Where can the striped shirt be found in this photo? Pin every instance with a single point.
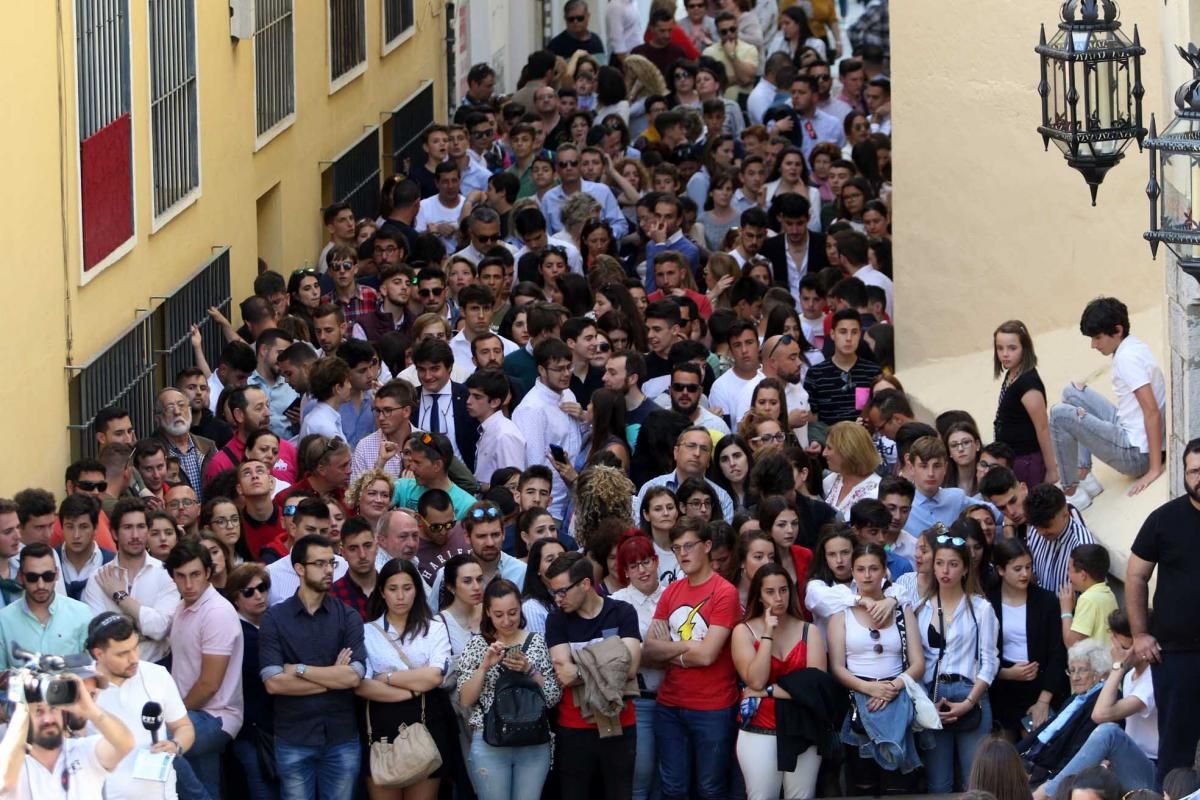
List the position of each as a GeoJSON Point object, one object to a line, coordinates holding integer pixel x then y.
{"type": "Point", "coordinates": [831, 392]}
{"type": "Point", "coordinates": [967, 654]}
{"type": "Point", "coordinates": [1052, 557]}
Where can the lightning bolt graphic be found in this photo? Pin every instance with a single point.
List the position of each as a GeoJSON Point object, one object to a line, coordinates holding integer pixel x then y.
{"type": "Point", "coordinates": [689, 622]}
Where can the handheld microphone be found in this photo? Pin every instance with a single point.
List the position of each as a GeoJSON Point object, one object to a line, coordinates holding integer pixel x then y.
{"type": "Point", "coordinates": [152, 719]}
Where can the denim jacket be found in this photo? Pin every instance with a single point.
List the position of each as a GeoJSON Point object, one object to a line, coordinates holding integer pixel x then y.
{"type": "Point", "coordinates": [889, 738]}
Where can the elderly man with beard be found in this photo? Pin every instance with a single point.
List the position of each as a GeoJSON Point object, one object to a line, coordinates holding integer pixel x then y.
{"type": "Point", "coordinates": [783, 361]}
{"type": "Point", "coordinates": [73, 768]}
{"type": "Point", "coordinates": [173, 413]}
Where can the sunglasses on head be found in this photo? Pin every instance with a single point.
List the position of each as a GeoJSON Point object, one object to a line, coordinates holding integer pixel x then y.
{"type": "Point", "coordinates": [491, 512]}
{"type": "Point", "coordinates": [957, 541]}
{"type": "Point", "coordinates": [262, 588]}
{"type": "Point", "coordinates": [785, 339]}
{"type": "Point", "coordinates": [304, 271]}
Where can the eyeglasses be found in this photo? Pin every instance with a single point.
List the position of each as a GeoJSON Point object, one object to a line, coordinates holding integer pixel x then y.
{"type": "Point", "coordinates": [875, 637]}
{"type": "Point", "coordinates": [559, 370]}
{"type": "Point", "coordinates": [185, 502]}
{"type": "Point", "coordinates": [957, 541]}
{"type": "Point", "coordinates": [967, 445]}
{"type": "Point", "coordinates": [778, 437]}
{"type": "Point", "coordinates": [645, 563]}
{"type": "Point", "coordinates": [32, 578]}
{"type": "Point", "coordinates": [568, 164]}
{"type": "Point", "coordinates": [95, 486]}
{"type": "Point", "coordinates": [690, 388]}
{"type": "Point", "coordinates": [440, 527]}
{"type": "Point", "coordinates": [385, 411]}
{"type": "Point", "coordinates": [699, 502]}
{"type": "Point", "coordinates": [491, 512]}
{"type": "Point", "coordinates": [436, 291]}
{"type": "Point", "coordinates": [179, 406]}
{"type": "Point", "coordinates": [561, 593]}
{"type": "Point", "coordinates": [262, 588]}
{"type": "Point", "coordinates": [226, 522]}
{"type": "Point", "coordinates": [323, 563]}
{"type": "Point", "coordinates": [386, 251]}
{"type": "Point", "coordinates": [684, 547]}
{"type": "Point", "coordinates": [786, 339]}
{"type": "Point", "coordinates": [346, 266]}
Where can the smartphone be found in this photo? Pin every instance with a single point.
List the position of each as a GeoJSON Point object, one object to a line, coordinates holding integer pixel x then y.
{"type": "Point", "coordinates": [559, 454]}
{"type": "Point", "coordinates": [1027, 723]}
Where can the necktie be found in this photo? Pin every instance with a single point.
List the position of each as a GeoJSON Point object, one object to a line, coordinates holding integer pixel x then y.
{"type": "Point", "coordinates": [435, 418]}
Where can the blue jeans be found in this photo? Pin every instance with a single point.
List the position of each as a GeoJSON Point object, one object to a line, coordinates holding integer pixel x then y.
{"type": "Point", "coordinates": [247, 753]}
{"type": "Point", "coordinates": [205, 753]}
{"type": "Point", "coordinates": [645, 769]}
{"type": "Point", "coordinates": [694, 742]}
{"type": "Point", "coordinates": [1108, 742]}
{"type": "Point", "coordinates": [1075, 438]}
{"type": "Point", "coordinates": [507, 773]}
{"type": "Point", "coordinates": [310, 772]}
{"type": "Point", "coordinates": [950, 746]}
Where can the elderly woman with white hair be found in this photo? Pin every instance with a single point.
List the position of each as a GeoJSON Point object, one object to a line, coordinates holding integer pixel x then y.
{"type": "Point", "coordinates": [576, 210]}
{"type": "Point", "coordinates": [1047, 749]}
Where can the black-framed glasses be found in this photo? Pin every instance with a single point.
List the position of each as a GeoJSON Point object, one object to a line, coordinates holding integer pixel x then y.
{"type": "Point", "coordinates": [561, 593]}
{"type": "Point", "coordinates": [779, 437]}
{"type": "Point", "coordinates": [385, 411]}
{"type": "Point", "coordinates": [32, 578]}
{"type": "Point", "coordinates": [323, 563]}
{"type": "Point", "coordinates": [491, 512]}
{"type": "Point", "coordinates": [957, 541]}
{"type": "Point", "coordinates": [262, 588]}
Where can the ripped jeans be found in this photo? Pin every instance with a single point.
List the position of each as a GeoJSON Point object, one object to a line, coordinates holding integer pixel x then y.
{"type": "Point", "coordinates": [507, 773]}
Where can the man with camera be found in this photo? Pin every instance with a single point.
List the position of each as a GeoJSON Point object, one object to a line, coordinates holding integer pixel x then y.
{"type": "Point", "coordinates": [55, 766]}
{"type": "Point", "coordinates": [143, 696]}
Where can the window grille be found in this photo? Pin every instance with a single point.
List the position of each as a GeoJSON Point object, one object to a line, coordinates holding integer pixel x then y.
{"type": "Point", "coordinates": [347, 37]}
{"type": "Point", "coordinates": [174, 126]}
{"type": "Point", "coordinates": [274, 63]}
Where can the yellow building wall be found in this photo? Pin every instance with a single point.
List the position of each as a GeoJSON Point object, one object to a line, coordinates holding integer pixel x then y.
{"type": "Point", "coordinates": [39, 144]}
{"type": "Point", "coordinates": [987, 225]}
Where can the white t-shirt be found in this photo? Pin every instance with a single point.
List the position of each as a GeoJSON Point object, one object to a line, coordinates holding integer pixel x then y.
{"type": "Point", "coordinates": [668, 566]}
{"type": "Point", "coordinates": [1134, 366]}
{"type": "Point", "coordinates": [1142, 728]}
{"type": "Point", "coordinates": [1015, 647]}
{"type": "Point", "coordinates": [432, 211]}
{"type": "Point", "coordinates": [151, 683]}
{"type": "Point", "coordinates": [794, 394]}
{"type": "Point", "coordinates": [725, 391]}
{"type": "Point", "coordinates": [84, 774]}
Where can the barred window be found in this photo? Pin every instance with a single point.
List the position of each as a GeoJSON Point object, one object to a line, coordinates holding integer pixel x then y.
{"type": "Point", "coordinates": [274, 64]}
{"type": "Point", "coordinates": [174, 125]}
{"type": "Point", "coordinates": [105, 127]}
{"type": "Point", "coordinates": [347, 39]}
{"type": "Point", "coordinates": [398, 18]}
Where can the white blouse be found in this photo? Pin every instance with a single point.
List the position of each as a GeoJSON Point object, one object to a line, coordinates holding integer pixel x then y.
{"type": "Point", "coordinates": [868, 489]}
{"type": "Point", "coordinates": [1016, 641]}
{"type": "Point", "coordinates": [970, 650]}
{"type": "Point", "coordinates": [431, 649]}
{"type": "Point", "coordinates": [644, 605]}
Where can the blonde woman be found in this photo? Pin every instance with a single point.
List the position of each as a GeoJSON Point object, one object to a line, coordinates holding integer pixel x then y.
{"type": "Point", "coordinates": [852, 460]}
{"type": "Point", "coordinates": [643, 80]}
{"type": "Point", "coordinates": [720, 273]}
{"type": "Point", "coordinates": [370, 494]}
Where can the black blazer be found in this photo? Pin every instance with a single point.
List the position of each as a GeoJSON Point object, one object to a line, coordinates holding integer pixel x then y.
{"type": "Point", "coordinates": [775, 251]}
{"type": "Point", "coordinates": [466, 428]}
{"type": "Point", "coordinates": [1043, 632]}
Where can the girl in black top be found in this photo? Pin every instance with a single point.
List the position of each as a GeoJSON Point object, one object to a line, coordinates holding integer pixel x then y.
{"type": "Point", "coordinates": [1022, 420]}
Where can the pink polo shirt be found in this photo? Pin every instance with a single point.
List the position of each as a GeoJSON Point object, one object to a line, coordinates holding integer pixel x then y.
{"type": "Point", "coordinates": [210, 627]}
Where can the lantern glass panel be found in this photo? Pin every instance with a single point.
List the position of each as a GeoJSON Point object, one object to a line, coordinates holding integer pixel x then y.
{"type": "Point", "coordinates": [1179, 176]}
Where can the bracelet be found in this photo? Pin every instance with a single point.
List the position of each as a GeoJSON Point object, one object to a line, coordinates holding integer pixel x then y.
{"type": "Point", "coordinates": [767, 638]}
{"type": "Point", "coordinates": [681, 661]}
{"type": "Point", "coordinates": [1066, 615]}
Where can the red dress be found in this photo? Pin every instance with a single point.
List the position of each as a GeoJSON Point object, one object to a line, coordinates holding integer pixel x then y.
{"type": "Point", "coordinates": [802, 557]}
{"type": "Point", "coordinates": [764, 717]}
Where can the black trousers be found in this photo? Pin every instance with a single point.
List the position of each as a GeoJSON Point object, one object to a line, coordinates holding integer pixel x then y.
{"type": "Point", "coordinates": [589, 765]}
{"type": "Point", "coordinates": [1177, 695]}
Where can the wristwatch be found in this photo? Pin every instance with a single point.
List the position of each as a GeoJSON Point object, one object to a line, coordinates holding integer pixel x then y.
{"type": "Point", "coordinates": [770, 690]}
{"type": "Point", "coordinates": [1118, 665]}
{"type": "Point", "coordinates": [301, 669]}
{"type": "Point", "coordinates": [119, 596]}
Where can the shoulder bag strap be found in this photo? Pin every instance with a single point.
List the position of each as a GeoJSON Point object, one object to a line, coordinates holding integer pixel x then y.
{"type": "Point", "coordinates": [394, 644]}
{"type": "Point", "coordinates": [937, 670]}
{"type": "Point", "coordinates": [804, 633]}
{"type": "Point", "coordinates": [903, 631]}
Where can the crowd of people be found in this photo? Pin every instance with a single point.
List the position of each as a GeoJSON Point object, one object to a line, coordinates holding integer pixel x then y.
{"type": "Point", "coordinates": [583, 466]}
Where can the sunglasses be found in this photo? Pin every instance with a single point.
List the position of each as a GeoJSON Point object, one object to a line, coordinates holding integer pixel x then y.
{"type": "Point", "coordinates": [875, 638]}
{"type": "Point", "coordinates": [440, 527]}
{"type": "Point", "coordinates": [727, 31]}
{"type": "Point", "coordinates": [304, 271]}
{"type": "Point", "coordinates": [957, 541]}
{"type": "Point", "coordinates": [690, 388]}
{"type": "Point", "coordinates": [490, 512]}
{"type": "Point", "coordinates": [604, 347]}
{"type": "Point", "coordinates": [262, 588]}
{"type": "Point", "coordinates": [577, 18]}
{"type": "Point", "coordinates": [345, 266]}
{"type": "Point", "coordinates": [484, 134]}
{"type": "Point", "coordinates": [486, 239]}
{"type": "Point", "coordinates": [785, 339]}
{"type": "Point", "coordinates": [434, 292]}
{"type": "Point", "coordinates": [92, 486]}
{"type": "Point", "coordinates": [31, 578]}
{"type": "Point", "coordinates": [567, 164]}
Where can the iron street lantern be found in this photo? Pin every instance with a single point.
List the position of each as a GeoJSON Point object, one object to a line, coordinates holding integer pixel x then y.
{"type": "Point", "coordinates": [1091, 88]}
{"type": "Point", "coordinates": [1174, 187]}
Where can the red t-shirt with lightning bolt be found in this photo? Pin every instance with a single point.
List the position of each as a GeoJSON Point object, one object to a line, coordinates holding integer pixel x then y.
{"type": "Point", "coordinates": [690, 611]}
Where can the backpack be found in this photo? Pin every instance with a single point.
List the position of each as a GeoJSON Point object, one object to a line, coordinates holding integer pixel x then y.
{"type": "Point", "coordinates": [517, 717]}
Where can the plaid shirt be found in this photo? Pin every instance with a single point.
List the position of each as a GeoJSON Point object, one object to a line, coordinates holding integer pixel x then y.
{"type": "Point", "coordinates": [190, 462]}
{"type": "Point", "coordinates": [347, 591]}
{"type": "Point", "coordinates": [873, 27]}
{"type": "Point", "coordinates": [364, 303]}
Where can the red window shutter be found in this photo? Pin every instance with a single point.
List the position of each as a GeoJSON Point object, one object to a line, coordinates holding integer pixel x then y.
{"type": "Point", "coordinates": [106, 179]}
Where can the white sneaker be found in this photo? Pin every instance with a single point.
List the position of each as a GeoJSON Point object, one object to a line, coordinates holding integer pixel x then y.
{"type": "Point", "coordinates": [1081, 499]}
{"type": "Point", "coordinates": [1091, 485]}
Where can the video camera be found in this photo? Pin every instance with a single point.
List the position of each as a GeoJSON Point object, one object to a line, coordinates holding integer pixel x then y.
{"type": "Point", "coordinates": [44, 676]}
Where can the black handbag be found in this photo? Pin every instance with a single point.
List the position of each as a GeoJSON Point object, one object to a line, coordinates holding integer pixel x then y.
{"type": "Point", "coordinates": [517, 717]}
{"type": "Point", "coordinates": [970, 720]}
{"type": "Point", "coordinates": [264, 748]}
